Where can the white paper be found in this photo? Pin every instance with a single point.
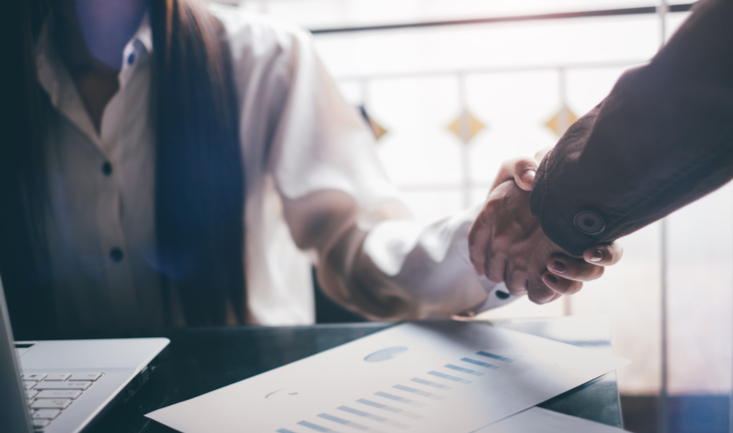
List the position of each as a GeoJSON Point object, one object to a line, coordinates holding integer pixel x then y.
{"type": "Point", "coordinates": [538, 420]}
{"type": "Point", "coordinates": [450, 377]}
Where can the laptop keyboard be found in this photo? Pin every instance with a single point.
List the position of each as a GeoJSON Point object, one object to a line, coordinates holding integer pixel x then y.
{"type": "Point", "coordinates": [50, 393]}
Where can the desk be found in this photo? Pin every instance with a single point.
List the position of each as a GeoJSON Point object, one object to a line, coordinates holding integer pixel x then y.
{"type": "Point", "coordinates": [199, 360]}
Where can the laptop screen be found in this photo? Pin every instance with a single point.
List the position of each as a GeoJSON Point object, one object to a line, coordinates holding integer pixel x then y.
{"type": "Point", "coordinates": [13, 407]}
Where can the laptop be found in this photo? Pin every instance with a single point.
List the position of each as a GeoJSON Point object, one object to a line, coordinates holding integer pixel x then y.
{"type": "Point", "coordinates": [61, 386]}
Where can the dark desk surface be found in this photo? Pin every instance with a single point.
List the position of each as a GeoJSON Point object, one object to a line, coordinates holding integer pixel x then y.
{"type": "Point", "coordinates": [199, 360]}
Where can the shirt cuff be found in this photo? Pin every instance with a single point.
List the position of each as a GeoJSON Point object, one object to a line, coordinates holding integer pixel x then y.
{"type": "Point", "coordinates": [497, 294]}
{"type": "Point", "coordinates": [557, 227]}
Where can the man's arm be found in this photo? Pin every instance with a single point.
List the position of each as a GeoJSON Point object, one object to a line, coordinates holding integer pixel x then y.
{"type": "Point", "coordinates": [662, 139]}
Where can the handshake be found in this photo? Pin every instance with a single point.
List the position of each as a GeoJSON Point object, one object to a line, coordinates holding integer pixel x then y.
{"type": "Point", "coordinates": [507, 244]}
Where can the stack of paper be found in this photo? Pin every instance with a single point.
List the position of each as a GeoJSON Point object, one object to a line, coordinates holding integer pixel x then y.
{"type": "Point", "coordinates": [421, 377]}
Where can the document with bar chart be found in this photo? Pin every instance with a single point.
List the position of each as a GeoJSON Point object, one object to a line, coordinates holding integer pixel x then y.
{"type": "Point", "coordinates": [422, 377]}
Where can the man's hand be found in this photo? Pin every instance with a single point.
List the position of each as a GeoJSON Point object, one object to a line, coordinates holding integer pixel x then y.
{"type": "Point", "coordinates": [507, 244]}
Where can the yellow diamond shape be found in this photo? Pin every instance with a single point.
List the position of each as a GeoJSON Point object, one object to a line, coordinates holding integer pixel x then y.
{"type": "Point", "coordinates": [562, 120]}
{"type": "Point", "coordinates": [377, 129]}
{"type": "Point", "coordinates": [466, 126]}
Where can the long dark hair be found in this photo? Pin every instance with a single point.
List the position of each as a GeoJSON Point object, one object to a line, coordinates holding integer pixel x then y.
{"type": "Point", "coordinates": [199, 177]}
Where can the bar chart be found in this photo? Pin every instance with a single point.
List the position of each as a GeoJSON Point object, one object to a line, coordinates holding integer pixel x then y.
{"type": "Point", "coordinates": [426, 377]}
{"type": "Point", "coordinates": [387, 354]}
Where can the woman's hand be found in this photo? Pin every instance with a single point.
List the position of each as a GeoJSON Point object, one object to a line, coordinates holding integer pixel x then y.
{"type": "Point", "coordinates": [506, 242]}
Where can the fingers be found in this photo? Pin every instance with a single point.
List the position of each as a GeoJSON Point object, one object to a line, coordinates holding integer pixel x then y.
{"type": "Point", "coordinates": [506, 172]}
{"type": "Point", "coordinates": [539, 293]}
{"type": "Point", "coordinates": [604, 255]}
{"type": "Point", "coordinates": [573, 269]}
{"type": "Point", "coordinates": [561, 285]}
{"type": "Point", "coordinates": [546, 297]}
{"type": "Point", "coordinates": [521, 170]}
{"type": "Point", "coordinates": [525, 170]}
{"type": "Point", "coordinates": [516, 282]}
{"type": "Point", "coordinates": [495, 267]}
{"type": "Point", "coordinates": [479, 240]}
{"type": "Point", "coordinates": [552, 287]}
{"type": "Point", "coordinates": [540, 155]}
{"type": "Point", "coordinates": [555, 296]}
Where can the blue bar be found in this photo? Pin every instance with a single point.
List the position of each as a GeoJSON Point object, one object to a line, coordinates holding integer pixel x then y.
{"type": "Point", "coordinates": [373, 417]}
{"type": "Point", "coordinates": [344, 422]}
{"type": "Point", "coordinates": [363, 414]}
{"type": "Point", "coordinates": [400, 399]}
{"type": "Point", "coordinates": [284, 430]}
{"type": "Point", "coordinates": [429, 383]}
{"type": "Point", "coordinates": [492, 356]}
{"type": "Point", "coordinates": [463, 370]}
{"type": "Point", "coordinates": [389, 408]}
{"type": "Point", "coordinates": [358, 412]}
{"type": "Point", "coordinates": [479, 363]}
{"type": "Point", "coordinates": [316, 427]}
{"type": "Point", "coordinates": [417, 391]}
{"type": "Point", "coordinates": [377, 405]}
{"type": "Point", "coordinates": [449, 377]}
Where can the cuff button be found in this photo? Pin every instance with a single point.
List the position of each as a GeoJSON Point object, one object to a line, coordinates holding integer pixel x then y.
{"type": "Point", "coordinates": [589, 222]}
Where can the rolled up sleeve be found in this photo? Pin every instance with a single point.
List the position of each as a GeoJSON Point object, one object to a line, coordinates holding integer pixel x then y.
{"type": "Point", "coordinates": [370, 255]}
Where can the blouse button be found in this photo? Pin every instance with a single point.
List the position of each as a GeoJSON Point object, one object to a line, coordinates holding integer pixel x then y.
{"type": "Point", "coordinates": [116, 255]}
{"type": "Point", "coordinates": [131, 59]}
{"type": "Point", "coordinates": [107, 168]}
{"type": "Point", "coordinates": [589, 222]}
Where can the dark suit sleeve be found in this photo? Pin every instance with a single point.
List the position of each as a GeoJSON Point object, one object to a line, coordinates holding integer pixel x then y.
{"type": "Point", "coordinates": [662, 138]}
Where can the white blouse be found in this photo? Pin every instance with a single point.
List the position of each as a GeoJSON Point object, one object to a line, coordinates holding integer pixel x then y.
{"type": "Point", "coordinates": [316, 193]}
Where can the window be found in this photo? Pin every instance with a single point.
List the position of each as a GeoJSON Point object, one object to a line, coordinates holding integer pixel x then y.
{"type": "Point", "coordinates": [512, 78]}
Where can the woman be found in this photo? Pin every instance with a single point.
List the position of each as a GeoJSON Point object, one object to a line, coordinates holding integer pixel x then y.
{"type": "Point", "coordinates": [150, 133]}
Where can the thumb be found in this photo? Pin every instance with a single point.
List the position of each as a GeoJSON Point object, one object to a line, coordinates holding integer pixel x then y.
{"type": "Point", "coordinates": [524, 173]}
